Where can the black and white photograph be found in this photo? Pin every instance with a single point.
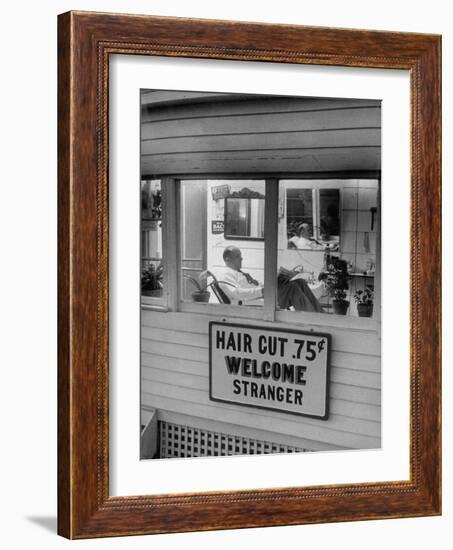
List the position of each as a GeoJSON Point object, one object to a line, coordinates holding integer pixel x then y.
{"type": "Point", "coordinates": [260, 274]}
{"type": "Point", "coordinates": [226, 291]}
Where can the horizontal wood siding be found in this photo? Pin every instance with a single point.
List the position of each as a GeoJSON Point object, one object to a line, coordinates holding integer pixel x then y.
{"type": "Point", "coordinates": [175, 380]}
{"type": "Point", "coordinates": [264, 134]}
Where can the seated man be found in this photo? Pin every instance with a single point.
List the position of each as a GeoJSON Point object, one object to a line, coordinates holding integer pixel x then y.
{"type": "Point", "coordinates": [241, 288]}
{"type": "Point", "coordinates": [295, 293]}
{"type": "Point", "coordinates": [304, 240]}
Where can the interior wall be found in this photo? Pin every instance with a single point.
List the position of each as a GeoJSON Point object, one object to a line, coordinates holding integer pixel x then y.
{"type": "Point", "coordinates": [252, 251]}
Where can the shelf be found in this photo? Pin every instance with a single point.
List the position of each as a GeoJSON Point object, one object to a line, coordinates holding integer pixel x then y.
{"type": "Point", "coordinates": [361, 275]}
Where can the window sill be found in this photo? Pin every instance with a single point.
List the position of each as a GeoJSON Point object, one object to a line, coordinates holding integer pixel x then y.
{"type": "Point", "coordinates": [153, 304]}
{"type": "Point", "coordinates": [323, 320]}
{"type": "Point", "coordinates": [291, 318]}
{"type": "Point", "coordinates": [222, 310]}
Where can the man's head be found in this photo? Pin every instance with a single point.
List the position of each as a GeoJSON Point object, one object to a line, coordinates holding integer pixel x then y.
{"type": "Point", "coordinates": [304, 230]}
{"type": "Point", "coordinates": [232, 257]}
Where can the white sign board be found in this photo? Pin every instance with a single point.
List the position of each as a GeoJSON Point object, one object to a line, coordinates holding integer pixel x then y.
{"type": "Point", "coordinates": [282, 370]}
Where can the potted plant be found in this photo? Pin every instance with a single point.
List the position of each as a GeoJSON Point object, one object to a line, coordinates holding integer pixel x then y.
{"type": "Point", "coordinates": [335, 279]}
{"type": "Point", "coordinates": [364, 300]}
{"type": "Point", "coordinates": [152, 280]}
{"type": "Point", "coordinates": [202, 294]}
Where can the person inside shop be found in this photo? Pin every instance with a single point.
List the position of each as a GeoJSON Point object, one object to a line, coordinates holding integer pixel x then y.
{"type": "Point", "coordinates": [303, 240]}
{"type": "Point", "coordinates": [242, 289]}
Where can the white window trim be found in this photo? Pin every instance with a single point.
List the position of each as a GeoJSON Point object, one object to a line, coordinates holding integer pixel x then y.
{"type": "Point", "coordinates": [170, 301]}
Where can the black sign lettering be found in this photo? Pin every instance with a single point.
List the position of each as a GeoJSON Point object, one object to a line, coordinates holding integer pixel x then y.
{"type": "Point", "coordinates": [255, 372]}
{"type": "Point", "coordinates": [289, 395]}
{"type": "Point", "coordinates": [287, 373]}
{"type": "Point", "coordinates": [276, 371]}
{"type": "Point", "coordinates": [300, 347]}
{"type": "Point", "coordinates": [247, 343]}
{"type": "Point", "coordinates": [220, 339]}
{"type": "Point", "coordinates": [246, 367]}
{"type": "Point", "coordinates": [298, 397]}
{"type": "Point", "coordinates": [300, 372]}
{"type": "Point", "coordinates": [311, 353]}
{"type": "Point", "coordinates": [282, 342]}
{"type": "Point", "coordinates": [233, 364]}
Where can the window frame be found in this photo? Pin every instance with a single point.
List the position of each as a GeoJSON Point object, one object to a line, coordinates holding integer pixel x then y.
{"type": "Point", "coordinates": [170, 300]}
{"type": "Point", "coordinates": [315, 189]}
{"type": "Point", "coordinates": [154, 301]}
{"type": "Point", "coordinates": [229, 237]}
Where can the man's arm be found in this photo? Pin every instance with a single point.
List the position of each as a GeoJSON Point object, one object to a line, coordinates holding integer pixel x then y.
{"type": "Point", "coordinates": [237, 292]}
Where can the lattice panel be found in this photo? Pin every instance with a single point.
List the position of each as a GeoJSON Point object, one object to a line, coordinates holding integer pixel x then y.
{"type": "Point", "coordinates": [177, 441]}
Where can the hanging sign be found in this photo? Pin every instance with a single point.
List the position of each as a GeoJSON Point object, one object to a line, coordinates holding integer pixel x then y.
{"type": "Point", "coordinates": [218, 226]}
{"type": "Point", "coordinates": [220, 191]}
{"type": "Point", "coordinates": [282, 370]}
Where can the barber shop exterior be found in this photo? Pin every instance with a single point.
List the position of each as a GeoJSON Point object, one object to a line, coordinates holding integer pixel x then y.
{"type": "Point", "coordinates": [260, 258]}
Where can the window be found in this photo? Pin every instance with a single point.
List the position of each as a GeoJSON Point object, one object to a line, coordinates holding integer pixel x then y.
{"type": "Point", "coordinates": [264, 248]}
{"type": "Point", "coordinates": [244, 218]}
{"type": "Point", "coordinates": [151, 239]}
{"type": "Point", "coordinates": [313, 216]}
{"type": "Point", "coordinates": [221, 252]}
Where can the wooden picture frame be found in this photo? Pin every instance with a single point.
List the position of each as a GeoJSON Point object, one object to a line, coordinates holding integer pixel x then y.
{"type": "Point", "coordinates": [86, 40]}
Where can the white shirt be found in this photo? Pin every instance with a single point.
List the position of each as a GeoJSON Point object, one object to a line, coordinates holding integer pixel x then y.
{"type": "Point", "coordinates": [241, 290]}
{"type": "Point", "coordinates": [304, 243]}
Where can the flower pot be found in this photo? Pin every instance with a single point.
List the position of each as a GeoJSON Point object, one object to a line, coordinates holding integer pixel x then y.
{"type": "Point", "coordinates": [156, 293]}
{"type": "Point", "coordinates": [365, 310]}
{"type": "Point", "coordinates": [201, 296]}
{"type": "Point", "coordinates": [340, 307]}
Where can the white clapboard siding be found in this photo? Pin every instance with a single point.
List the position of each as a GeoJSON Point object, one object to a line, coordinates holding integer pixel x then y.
{"type": "Point", "coordinates": [175, 377]}
{"type": "Point", "coordinates": [354, 341]}
{"type": "Point", "coordinates": [293, 424]}
{"type": "Point", "coordinates": [261, 107]}
{"type": "Point", "coordinates": [344, 392]}
{"type": "Point", "coordinates": [263, 134]}
{"type": "Point", "coordinates": [163, 97]}
{"type": "Point", "coordinates": [338, 374]}
{"type": "Point", "coordinates": [201, 382]}
{"type": "Point", "coordinates": [176, 349]}
{"type": "Point", "coordinates": [340, 390]}
{"type": "Point", "coordinates": [239, 104]}
{"type": "Point", "coordinates": [263, 141]}
{"type": "Point", "coordinates": [330, 160]}
{"type": "Point", "coordinates": [350, 361]}
{"type": "Point", "coordinates": [258, 420]}
{"type": "Point", "coordinates": [199, 323]}
{"type": "Point", "coordinates": [277, 124]}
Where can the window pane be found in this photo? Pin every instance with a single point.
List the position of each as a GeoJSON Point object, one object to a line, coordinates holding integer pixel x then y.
{"type": "Point", "coordinates": [299, 214]}
{"type": "Point", "coordinates": [193, 235]}
{"type": "Point", "coordinates": [221, 241]}
{"type": "Point", "coordinates": [329, 216]}
{"type": "Point", "coordinates": [327, 239]}
{"type": "Point", "coordinates": [244, 218]}
{"type": "Point", "coordinates": [151, 238]}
